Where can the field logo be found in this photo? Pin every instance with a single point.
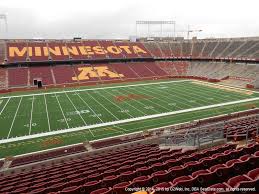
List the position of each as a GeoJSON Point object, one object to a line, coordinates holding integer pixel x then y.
{"type": "Point", "coordinates": [51, 141]}
{"type": "Point", "coordinates": [129, 97]}
{"type": "Point", "coordinates": [95, 72]}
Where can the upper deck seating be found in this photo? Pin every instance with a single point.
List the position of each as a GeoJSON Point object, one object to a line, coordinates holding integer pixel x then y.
{"type": "Point", "coordinates": [197, 48]}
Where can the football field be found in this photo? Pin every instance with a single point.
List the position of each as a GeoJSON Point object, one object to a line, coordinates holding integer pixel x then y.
{"type": "Point", "coordinates": [107, 111]}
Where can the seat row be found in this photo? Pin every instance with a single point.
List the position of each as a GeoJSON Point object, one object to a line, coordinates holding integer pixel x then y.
{"type": "Point", "coordinates": [82, 174]}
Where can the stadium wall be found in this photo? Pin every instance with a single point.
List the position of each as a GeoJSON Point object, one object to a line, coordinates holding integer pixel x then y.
{"type": "Point", "coordinates": [257, 80]}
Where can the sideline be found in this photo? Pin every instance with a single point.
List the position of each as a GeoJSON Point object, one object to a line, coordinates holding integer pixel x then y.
{"type": "Point", "coordinates": [90, 89]}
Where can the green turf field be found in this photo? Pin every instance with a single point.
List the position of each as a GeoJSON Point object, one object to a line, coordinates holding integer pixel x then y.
{"type": "Point", "coordinates": [93, 113]}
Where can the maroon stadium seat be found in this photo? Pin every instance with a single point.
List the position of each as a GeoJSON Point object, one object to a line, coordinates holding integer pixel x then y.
{"type": "Point", "coordinates": [252, 184]}
{"type": "Point", "coordinates": [142, 181]}
{"type": "Point", "coordinates": [57, 187]}
{"type": "Point", "coordinates": [172, 163]}
{"type": "Point", "coordinates": [77, 181]}
{"type": "Point", "coordinates": [207, 162]}
{"type": "Point", "coordinates": [254, 174]}
{"type": "Point", "coordinates": [160, 188]}
{"type": "Point", "coordinates": [245, 157]}
{"type": "Point", "coordinates": [7, 189]}
{"type": "Point", "coordinates": [40, 185]}
{"type": "Point", "coordinates": [39, 191]}
{"type": "Point", "coordinates": [182, 179]}
{"type": "Point", "coordinates": [143, 171]}
{"type": "Point", "coordinates": [120, 188]}
{"type": "Point", "coordinates": [109, 181]}
{"type": "Point", "coordinates": [102, 191]}
{"type": "Point", "coordinates": [71, 190]}
{"type": "Point", "coordinates": [221, 187]}
{"type": "Point", "coordinates": [177, 171]}
{"type": "Point", "coordinates": [159, 166]}
{"type": "Point", "coordinates": [183, 182]}
{"type": "Point", "coordinates": [91, 186]}
{"type": "Point", "coordinates": [193, 166]}
{"type": "Point", "coordinates": [160, 176]}
{"type": "Point", "coordinates": [127, 176]}
{"type": "Point", "coordinates": [235, 181]}
{"type": "Point", "coordinates": [96, 176]}
{"type": "Point", "coordinates": [221, 171]}
{"type": "Point", "coordinates": [204, 178]}
{"type": "Point", "coordinates": [20, 190]}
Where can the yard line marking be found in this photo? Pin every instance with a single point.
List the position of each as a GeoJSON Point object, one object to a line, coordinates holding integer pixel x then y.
{"type": "Point", "coordinates": [142, 103]}
{"type": "Point", "coordinates": [194, 100]}
{"type": "Point", "coordinates": [88, 106]}
{"type": "Point", "coordinates": [62, 111]}
{"type": "Point", "coordinates": [114, 103]}
{"type": "Point", "coordinates": [31, 113]}
{"type": "Point", "coordinates": [162, 99]}
{"type": "Point", "coordinates": [175, 96]}
{"type": "Point", "coordinates": [14, 118]}
{"type": "Point", "coordinates": [132, 105]}
{"type": "Point", "coordinates": [46, 106]}
{"type": "Point", "coordinates": [103, 88]}
{"type": "Point", "coordinates": [168, 92]}
{"type": "Point", "coordinates": [207, 91]}
{"type": "Point", "coordinates": [153, 102]}
{"type": "Point", "coordinates": [102, 106]}
{"type": "Point", "coordinates": [218, 92]}
{"type": "Point", "coordinates": [5, 106]}
{"type": "Point", "coordinates": [79, 113]}
{"type": "Point", "coordinates": [76, 108]}
{"type": "Point", "coordinates": [181, 101]}
{"type": "Point", "coordinates": [126, 120]}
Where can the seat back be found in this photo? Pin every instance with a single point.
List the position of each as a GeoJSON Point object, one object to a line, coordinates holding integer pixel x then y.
{"type": "Point", "coordinates": [254, 174]}
{"type": "Point", "coordinates": [102, 191]}
{"type": "Point", "coordinates": [234, 181]}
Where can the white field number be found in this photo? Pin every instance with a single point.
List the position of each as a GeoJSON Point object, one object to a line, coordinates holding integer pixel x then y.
{"type": "Point", "coordinates": [78, 112]}
{"type": "Point", "coordinates": [33, 125]}
{"type": "Point", "coordinates": [124, 111]}
{"type": "Point", "coordinates": [149, 107]}
{"type": "Point", "coordinates": [64, 120]}
{"type": "Point", "coordinates": [96, 115]}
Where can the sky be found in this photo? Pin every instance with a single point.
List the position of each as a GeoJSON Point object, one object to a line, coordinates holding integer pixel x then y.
{"type": "Point", "coordinates": [109, 19]}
